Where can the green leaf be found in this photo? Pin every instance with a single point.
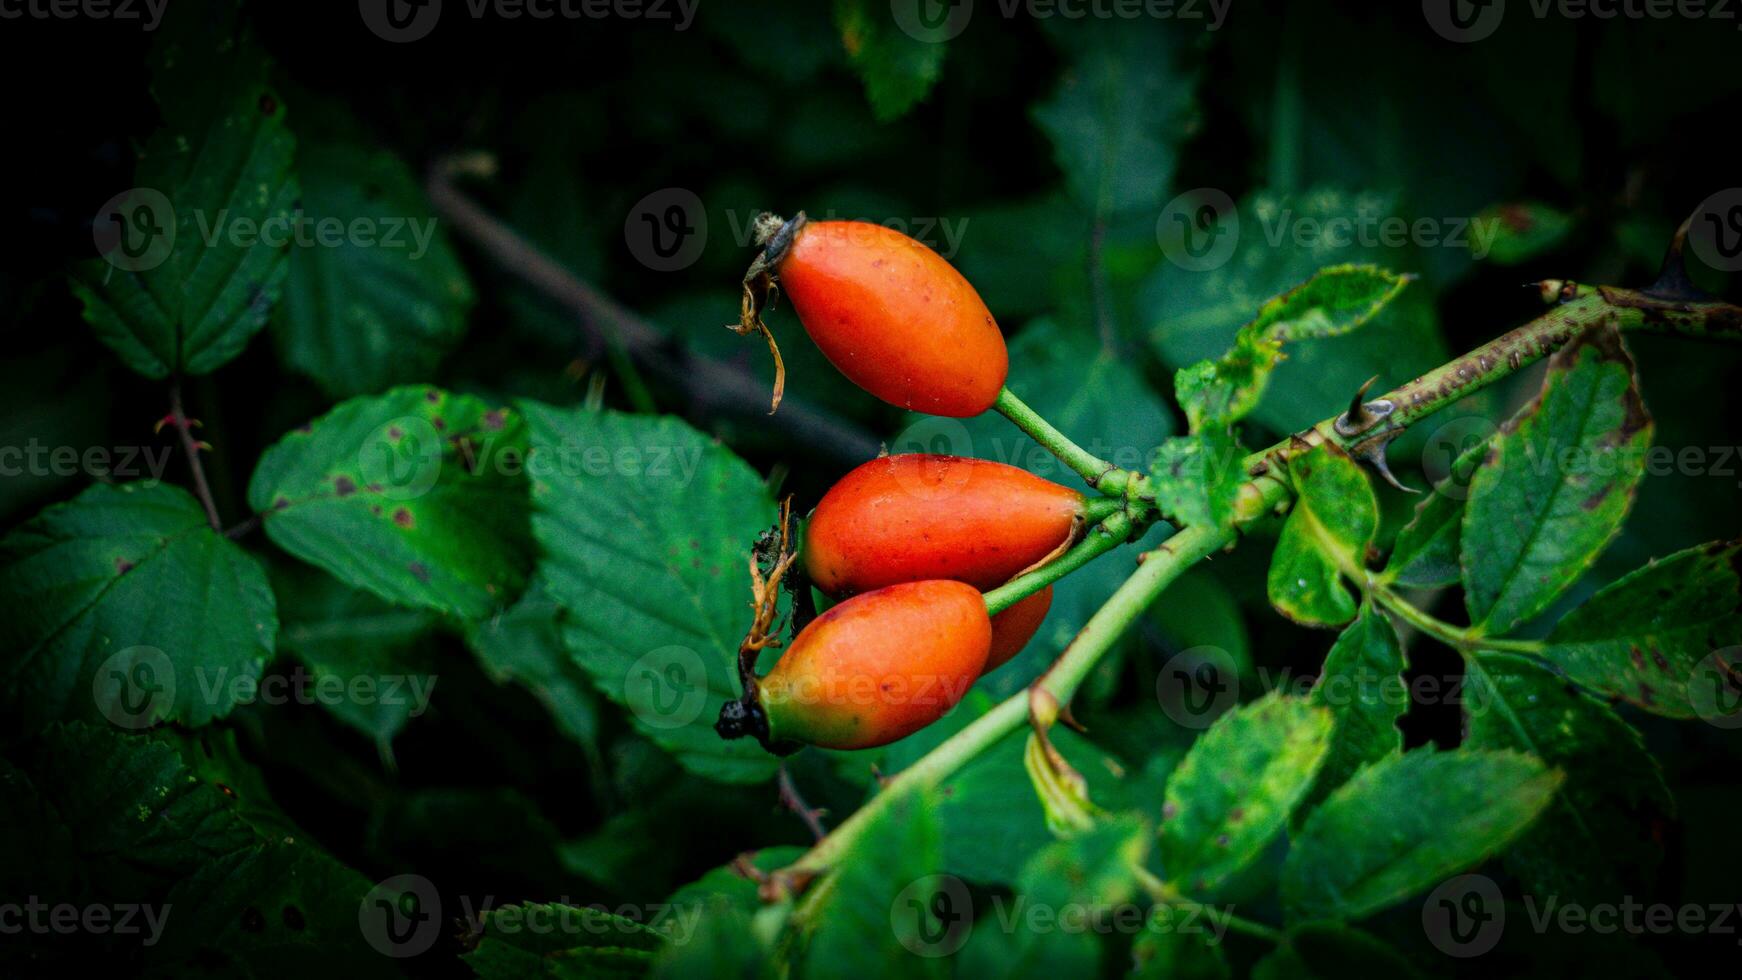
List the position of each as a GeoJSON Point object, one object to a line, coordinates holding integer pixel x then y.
{"type": "Point", "coordinates": [279, 909]}
{"type": "Point", "coordinates": [197, 268]}
{"type": "Point", "coordinates": [1095, 871]}
{"type": "Point", "coordinates": [1596, 844]}
{"type": "Point", "coordinates": [1556, 484]}
{"type": "Point", "coordinates": [124, 604]}
{"type": "Point", "coordinates": [721, 943]}
{"type": "Point", "coordinates": [1235, 789]}
{"type": "Point", "coordinates": [1362, 685]}
{"type": "Point", "coordinates": [1406, 822]}
{"type": "Point", "coordinates": [1196, 314]}
{"type": "Point", "coordinates": [1522, 231]}
{"type": "Point", "coordinates": [1178, 945]}
{"type": "Point", "coordinates": [1335, 301]}
{"type": "Point", "coordinates": [107, 814]}
{"type": "Point", "coordinates": [898, 62]}
{"type": "Point", "coordinates": [524, 644]}
{"type": "Point", "coordinates": [369, 667]}
{"type": "Point", "coordinates": [1197, 478]}
{"type": "Point", "coordinates": [646, 526]}
{"type": "Point", "coordinates": [1650, 637]}
{"type": "Point", "coordinates": [884, 899]}
{"type": "Point", "coordinates": [361, 314]}
{"type": "Point", "coordinates": [559, 941]}
{"type": "Point", "coordinates": [416, 495]}
{"type": "Point", "coordinates": [1425, 554]}
{"type": "Point", "coordinates": [1327, 535]}
{"type": "Point", "coordinates": [1119, 114]}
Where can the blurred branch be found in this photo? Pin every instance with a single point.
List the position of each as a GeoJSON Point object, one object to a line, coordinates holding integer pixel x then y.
{"type": "Point", "coordinates": [710, 388]}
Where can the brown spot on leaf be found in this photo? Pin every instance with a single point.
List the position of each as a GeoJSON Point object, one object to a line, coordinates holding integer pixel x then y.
{"type": "Point", "coordinates": [432, 396]}
{"type": "Point", "coordinates": [403, 518]}
{"type": "Point", "coordinates": [343, 486]}
{"type": "Point", "coordinates": [418, 571]}
{"type": "Point", "coordinates": [123, 566]}
{"type": "Point", "coordinates": [493, 419]}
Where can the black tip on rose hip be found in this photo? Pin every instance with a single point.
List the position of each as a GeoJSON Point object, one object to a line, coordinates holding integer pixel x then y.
{"type": "Point", "coordinates": [740, 718]}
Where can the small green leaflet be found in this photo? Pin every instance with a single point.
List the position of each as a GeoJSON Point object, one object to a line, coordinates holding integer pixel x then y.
{"type": "Point", "coordinates": [123, 604]}
{"type": "Point", "coordinates": [1197, 478]}
{"type": "Point", "coordinates": [416, 495]}
{"type": "Point", "coordinates": [1658, 636]}
{"type": "Point", "coordinates": [1556, 484]}
{"type": "Point", "coordinates": [1335, 301]}
{"type": "Point", "coordinates": [1523, 231]}
{"type": "Point", "coordinates": [898, 62]}
{"type": "Point", "coordinates": [1096, 869]}
{"type": "Point", "coordinates": [646, 527]}
{"type": "Point", "coordinates": [194, 270]}
{"type": "Point", "coordinates": [1327, 536]}
{"type": "Point", "coordinates": [1406, 823]}
{"type": "Point", "coordinates": [1362, 686]}
{"type": "Point", "coordinates": [1235, 789]}
{"type": "Point", "coordinates": [1597, 842]}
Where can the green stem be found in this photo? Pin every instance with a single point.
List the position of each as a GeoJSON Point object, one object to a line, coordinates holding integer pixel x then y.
{"type": "Point", "coordinates": [1086, 464]}
{"type": "Point", "coordinates": [1456, 637]}
{"type": "Point", "coordinates": [1109, 534]}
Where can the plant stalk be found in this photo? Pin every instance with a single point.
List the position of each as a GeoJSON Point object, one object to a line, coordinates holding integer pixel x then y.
{"type": "Point", "coordinates": [1086, 464]}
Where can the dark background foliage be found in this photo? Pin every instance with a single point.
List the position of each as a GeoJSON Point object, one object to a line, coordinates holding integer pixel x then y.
{"type": "Point", "coordinates": [1616, 125]}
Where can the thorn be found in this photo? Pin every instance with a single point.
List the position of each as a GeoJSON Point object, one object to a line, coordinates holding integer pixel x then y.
{"type": "Point", "coordinates": [1372, 452]}
{"type": "Point", "coordinates": [1672, 276]}
{"type": "Point", "coordinates": [1070, 720]}
{"type": "Point", "coordinates": [202, 444]}
{"type": "Point", "coordinates": [1362, 415]}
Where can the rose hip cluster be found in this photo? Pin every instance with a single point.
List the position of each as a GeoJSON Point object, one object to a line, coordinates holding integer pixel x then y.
{"type": "Point", "coordinates": [907, 543]}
